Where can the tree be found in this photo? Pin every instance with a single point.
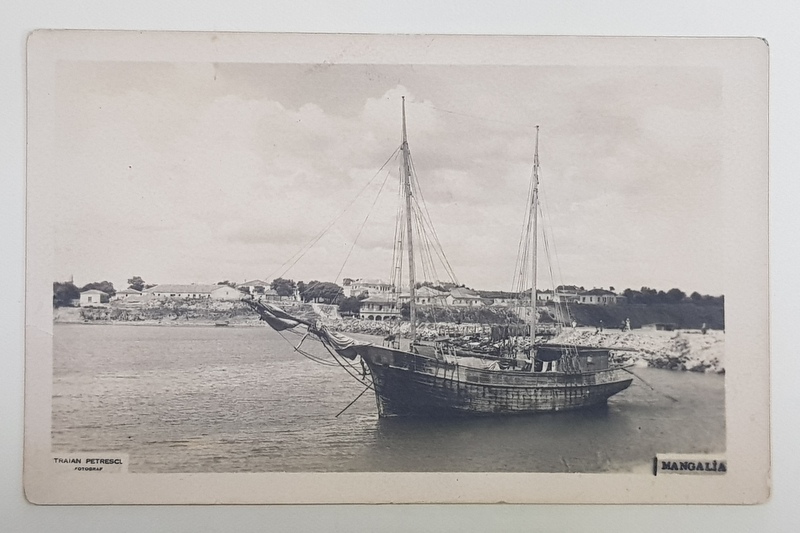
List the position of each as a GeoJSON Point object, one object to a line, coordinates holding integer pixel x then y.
{"type": "Point", "coordinates": [649, 296]}
{"type": "Point", "coordinates": [64, 293]}
{"type": "Point", "coordinates": [136, 283]}
{"type": "Point", "coordinates": [350, 306]}
{"type": "Point", "coordinates": [228, 283]}
{"type": "Point", "coordinates": [321, 291]}
{"type": "Point", "coordinates": [105, 286]}
{"type": "Point", "coordinates": [632, 296]}
{"type": "Point", "coordinates": [284, 287]}
{"type": "Point", "coordinates": [696, 297]}
{"type": "Point", "coordinates": [675, 296]}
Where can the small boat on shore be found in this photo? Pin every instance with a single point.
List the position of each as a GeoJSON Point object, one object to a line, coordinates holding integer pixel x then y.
{"type": "Point", "coordinates": [438, 377]}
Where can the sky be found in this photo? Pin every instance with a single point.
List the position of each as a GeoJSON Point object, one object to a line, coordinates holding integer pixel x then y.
{"type": "Point", "coordinates": [202, 172]}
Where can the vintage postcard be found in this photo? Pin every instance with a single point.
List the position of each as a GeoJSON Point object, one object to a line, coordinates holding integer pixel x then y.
{"type": "Point", "coordinates": [304, 268]}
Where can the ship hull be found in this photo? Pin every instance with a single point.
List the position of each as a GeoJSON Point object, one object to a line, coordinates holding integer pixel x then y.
{"type": "Point", "coordinates": [410, 384]}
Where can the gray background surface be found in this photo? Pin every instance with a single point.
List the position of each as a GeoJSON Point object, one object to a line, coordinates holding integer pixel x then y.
{"type": "Point", "coordinates": [776, 21]}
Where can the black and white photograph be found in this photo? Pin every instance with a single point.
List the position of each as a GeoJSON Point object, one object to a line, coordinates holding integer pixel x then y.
{"type": "Point", "coordinates": [391, 256]}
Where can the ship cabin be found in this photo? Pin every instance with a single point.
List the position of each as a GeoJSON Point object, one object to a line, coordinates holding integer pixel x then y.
{"type": "Point", "coordinates": [589, 359]}
{"type": "Point", "coordinates": [548, 356]}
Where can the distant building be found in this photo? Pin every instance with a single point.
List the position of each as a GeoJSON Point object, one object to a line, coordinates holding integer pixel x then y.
{"type": "Point", "coordinates": [379, 308]}
{"type": "Point", "coordinates": [124, 294]}
{"type": "Point", "coordinates": [254, 287]}
{"type": "Point", "coordinates": [195, 291]}
{"type": "Point", "coordinates": [372, 287]}
{"type": "Point", "coordinates": [545, 296]}
{"type": "Point", "coordinates": [567, 294]}
{"type": "Point", "coordinates": [599, 297]}
{"type": "Point", "coordinates": [499, 298]}
{"type": "Point", "coordinates": [93, 298]}
{"type": "Point", "coordinates": [270, 295]}
{"type": "Point", "coordinates": [425, 296]}
{"type": "Point", "coordinates": [461, 297]}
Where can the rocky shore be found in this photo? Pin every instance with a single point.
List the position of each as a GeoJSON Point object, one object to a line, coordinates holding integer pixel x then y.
{"type": "Point", "coordinates": [683, 350]}
{"type": "Point", "coordinates": [688, 350]}
{"type": "Point", "coordinates": [674, 350]}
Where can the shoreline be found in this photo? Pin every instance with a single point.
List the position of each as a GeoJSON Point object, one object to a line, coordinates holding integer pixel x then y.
{"type": "Point", "coordinates": [679, 350]}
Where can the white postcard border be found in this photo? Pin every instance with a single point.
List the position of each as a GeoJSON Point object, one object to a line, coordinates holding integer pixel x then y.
{"type": "Point", "coordinates": [743, 64]}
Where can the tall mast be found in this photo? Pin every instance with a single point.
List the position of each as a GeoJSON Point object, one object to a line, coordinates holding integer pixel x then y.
{"type": "Point", "coordinates": [534, 217]}
{"type": "Point", "coordinates": [409, 233]}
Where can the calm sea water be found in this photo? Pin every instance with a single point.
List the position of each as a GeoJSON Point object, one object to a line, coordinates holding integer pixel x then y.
{"type": "Point", "coordinates": [205, 399]}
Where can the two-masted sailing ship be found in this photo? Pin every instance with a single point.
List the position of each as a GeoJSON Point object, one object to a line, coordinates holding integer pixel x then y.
{"type": "Point", "coordinates": [439, 377]}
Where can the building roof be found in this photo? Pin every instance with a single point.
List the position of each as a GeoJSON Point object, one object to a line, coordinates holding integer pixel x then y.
{"type": "Point", "coordinates": [371, 282]}
{"type": "Point", "coordinates": [567, 288]}
{"type": "Point", "coordinates": [463, 293]}
{"type": "Point", "coordinates": [598, 292]}
{"type": "Point", "coordinates": [128, 291]}
{"type": "Point", "coordinates": [498, 294]}
{"type": "Point", "coordinates": [255, 283]}
{"type": "Point", "coordinates": [195, 288]}
{"type": "Point", "coordinates": [425, 292]}
{"type": "Point", "coordinates": [429, 291]}
{"type": "Point", "coordinates": [93, 291]}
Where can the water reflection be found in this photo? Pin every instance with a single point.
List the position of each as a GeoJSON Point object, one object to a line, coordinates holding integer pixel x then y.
{"type": "Point", "coordinates": [236, 400]}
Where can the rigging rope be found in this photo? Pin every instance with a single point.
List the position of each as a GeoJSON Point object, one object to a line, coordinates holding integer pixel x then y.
{"type": "Point", "coordinates": [351, 403]}
{"type": "Point", "coordinates": [439, 248]}
{"type": "Point", "coordinates": [306, 354]}
{"type": "Point", "coordinates": [336, 358]}
{"type": "Point", "coordinates": [360, 229]}
{"type": "Point", "coordinates": [396, 275]}
{"type": "Point", "coordinates": [302, 251]}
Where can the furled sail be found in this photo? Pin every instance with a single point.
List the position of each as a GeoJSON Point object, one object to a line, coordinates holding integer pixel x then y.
{"type": "Point", "coordinates": [277, 319]}
{"type": "Point", "coordinates": [280, 320]}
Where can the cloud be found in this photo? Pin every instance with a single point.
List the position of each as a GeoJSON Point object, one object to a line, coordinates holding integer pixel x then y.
{"type": "Point", "coordinates": [237, 166]}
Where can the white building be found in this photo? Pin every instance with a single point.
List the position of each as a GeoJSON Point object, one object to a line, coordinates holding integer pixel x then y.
{"type": "Point", "coordinates": [425, 296]}
{"type": "Point", "coordinates": [500, 298]}
{"type": "Point", "coordinates": [567, 294]}
{"type": "Point", "coordinates": [545, 296]}
{"type": "Point", "coordinates": [462, 297]}
{"type": "Point", "coordinates": [195, 291]}
{"type": "Point", "coordinates": [255, 286]}
{"type": "Point", "coordinates": [599, 297]}
{"type": "Point", "coordinates": [379, 308]}
{"type": "Point", "coordinates": [94, 298]}
{"type": "Point", "coordinates": [373, 287]}
{"type": "Point", "coordinates": [124, 294]}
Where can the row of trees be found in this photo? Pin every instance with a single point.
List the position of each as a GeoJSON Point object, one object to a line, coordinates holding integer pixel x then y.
{"type": "Point", "coordinates": [649, 296]}
{"type": "Point", "coordinates": [331, 293]}
{"type": "Point", "coordinates": [313, 291]}
{"type": "Point", "coordinates": [65, 292]}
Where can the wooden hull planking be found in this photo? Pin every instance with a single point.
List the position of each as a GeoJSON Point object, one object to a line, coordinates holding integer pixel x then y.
{"type": "Point", "coordinates": [409, 384]}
